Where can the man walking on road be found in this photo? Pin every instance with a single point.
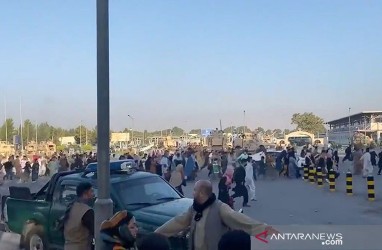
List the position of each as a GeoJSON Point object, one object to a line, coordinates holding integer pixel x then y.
{"type": "Point", "coordinates": [208, 219]}
{"type": "Point", "coordinates": [367, 166]}
{"type": "Point", "coordinates": [249, 182]}
{"type": "Point", "coordinates": [239, 178]}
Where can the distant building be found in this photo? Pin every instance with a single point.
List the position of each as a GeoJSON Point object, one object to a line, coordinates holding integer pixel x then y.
{"type": "Point", "coordinates": [67, 140]}
{"type": "Point", "coordinates": [300, 138]}
{"type": "Point", "coordinates": [119, 137]}
{"type": "Point", "coordinates": [343, 130]}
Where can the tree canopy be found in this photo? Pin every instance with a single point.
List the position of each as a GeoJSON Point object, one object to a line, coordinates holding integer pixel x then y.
{"type": "Point", "coordinates": [85, 135]}
{"type": "Point", "coordinates": [308, 122]}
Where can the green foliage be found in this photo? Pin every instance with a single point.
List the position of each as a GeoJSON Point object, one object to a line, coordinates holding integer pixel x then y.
{"type": "Point", "coordinates": [195, 131]}
{"type": "Point", "coordinates": [175, 131]}
{"type": "Point", "coordinates": [88, 136]}
{"type": "Point", "coordinates": [7, 130]}
{"type": "Point", "coordinates": [308, 122]}
{"type": "Point", "coordinates": [260, 130]}
{"type": "Point", "coordinates": [240, 129]}
{"type": "Point", "coordinates": [277, 132]}
{"type": "Point", "coordinates": [87, 148]}
{"type": "Point", "coordinates": [60, 148]}
{"type": "Point", "coordinates": [29, 132]}
{"type": "Point", "coordinates": [83, 135]}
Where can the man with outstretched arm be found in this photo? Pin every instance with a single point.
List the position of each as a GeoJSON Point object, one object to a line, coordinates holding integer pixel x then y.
{"type": "Point", "coordinates": [208, 219]}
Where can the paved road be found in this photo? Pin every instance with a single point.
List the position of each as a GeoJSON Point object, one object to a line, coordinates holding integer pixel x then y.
{"type": "Point", "coordinates": [284, 202]}
{"type": "Point", "coordinates": [294, 201]}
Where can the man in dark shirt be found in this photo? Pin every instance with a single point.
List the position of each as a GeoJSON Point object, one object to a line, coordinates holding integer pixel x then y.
{"type": "Point", "coordinates": [8, 167]}
{"type": "Point", "coordinates": [373, 158]}
{"type": "Point", "coordinates": [239, 179]}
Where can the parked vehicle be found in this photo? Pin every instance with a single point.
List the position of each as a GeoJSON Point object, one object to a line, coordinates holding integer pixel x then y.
{"type": "Point", "coordinates": [36, 216]}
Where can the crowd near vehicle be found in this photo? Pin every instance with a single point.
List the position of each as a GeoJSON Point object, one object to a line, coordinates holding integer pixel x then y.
{"type": "Point", "coordinates": [142, 193]}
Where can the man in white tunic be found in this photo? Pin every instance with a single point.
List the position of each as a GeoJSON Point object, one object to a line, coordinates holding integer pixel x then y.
{"type": "Point", "coordinates": [249, 182]}
{"type": "Point", "coordinates": [367, 166]}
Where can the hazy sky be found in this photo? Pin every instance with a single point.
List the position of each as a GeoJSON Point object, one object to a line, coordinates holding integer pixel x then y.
{"type": "Point", "coordinates": [191, 63]}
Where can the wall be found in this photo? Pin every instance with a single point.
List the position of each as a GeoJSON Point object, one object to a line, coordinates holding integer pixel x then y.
{"type": "Point", "coordinates": [339, 137]}
{"type": "Point", "coordinates": [66, 140]}
{"type": "Point", "coordinates": [119, 137]}
{"type": "Point", "coordinates": [376, 126]}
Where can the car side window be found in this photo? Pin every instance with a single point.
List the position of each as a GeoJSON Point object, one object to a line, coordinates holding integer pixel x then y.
{"type": "Point", "coordinates": [68, 194]}
{"type": "Point", "coordinates": [157, 188]}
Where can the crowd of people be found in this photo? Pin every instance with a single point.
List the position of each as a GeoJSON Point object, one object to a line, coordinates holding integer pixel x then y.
{"type": "Point", "coordinates": [234, 170]}
{"type": "Point", "coordinates": [30, 168]}
{"type": "Point", "coordinates": [356, 161]}
{"type": "Point", "coordinates": [210, 214]}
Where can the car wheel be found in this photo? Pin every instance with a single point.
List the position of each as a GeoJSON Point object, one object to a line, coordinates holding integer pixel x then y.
{"type": "Point", "coordinates": [22, 242]}
{"type": "Point", "coordinates": [35, 239]}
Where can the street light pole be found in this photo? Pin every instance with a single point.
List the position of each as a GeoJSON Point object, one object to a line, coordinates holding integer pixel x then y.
{"type": "Point", "coordinates": [350, 140]}
{"type": "Point", "coordinates": [80, 134]}
{"type": "Point", "coordinates": [5, 120]}
{"type": "Point", "coordinates": [21, 129]}
{"type": "Point", "coordinates": [244, 125]}
{"type": "Point", "coordinates": [132, 128]}
{"type": "Point", "coordinates": [103, 205]}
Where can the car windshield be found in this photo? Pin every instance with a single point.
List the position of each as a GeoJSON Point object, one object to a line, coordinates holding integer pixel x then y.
{"type": "Point", "coordinates": [144, 192]}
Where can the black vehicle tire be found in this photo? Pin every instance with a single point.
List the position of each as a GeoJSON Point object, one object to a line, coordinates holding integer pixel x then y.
{"type": "Point", "coordinates": [36, 232]}
{"type": "Point", "coordinates": [22, 242]}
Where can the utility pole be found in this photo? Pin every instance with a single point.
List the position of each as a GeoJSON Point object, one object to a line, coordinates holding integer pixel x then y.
{"type": "Point", "coordinates": [21, 129]}
{"type": "Point", "coordinates": [103, 205]}
{"type": "Point", "coordinates": [86, 136]}
{"type": "Point", "coordinates": [132, 128]}
{"type": "Point", "coordinates": [81, 134]}
{"type": "Point", "coordinates": [5, 119]}
{"type": "Point", "coordinates": [244, 126]}
{"type": "Point", "coordinates": [350, 137]}
{"type": "Point", "coordinates": [36, 131]}
{"type": "Point", "coordinates": [28, 133]}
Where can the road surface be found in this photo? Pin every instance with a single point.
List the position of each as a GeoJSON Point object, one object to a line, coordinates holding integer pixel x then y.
{"type": "Point", "coordinates": [284, 202]}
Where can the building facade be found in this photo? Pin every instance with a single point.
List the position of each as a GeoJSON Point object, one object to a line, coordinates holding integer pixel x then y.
{"type": "Point", "coordinates": [300, 138]}
{"type": "Point", "coordinates": [366, 125]}
{"type": "Point", "coordinates": [67, 140]}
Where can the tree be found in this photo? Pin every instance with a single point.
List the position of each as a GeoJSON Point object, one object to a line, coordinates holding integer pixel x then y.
{"type": "Point", "coordinates": [92, 136]}
{"type": "Point", "coordinates": [268, 132]}
{"type": "Point", "coordinates": [260, 130]}
{"type": "Point", "coordinates": [243, 128]}
{"type": "Point", "coordinates": [176, 131]}
{"type": "Point", "coordinates": [145, 136]}
{"type": "Point", "coordinates": [195, 131]}
{"type": "Point", "coordinates": [81, 133]}
{"type": "Point", "coordinates": [87, 147]}
{"type": "Point", "coordinates": [44, 132]}
{"type": "Point", "coordinates": [230, 129]}
{"type": "Point", "coordinates": [286, 131]}
{"type": "Point", "coordinates": [29, 131]}
{"type": "Point", "coordinates": [277, 132]}
{"type": "Point", "coordinates": [8, 130]}
{"type": "Point", "coordinates": [308, 122]}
